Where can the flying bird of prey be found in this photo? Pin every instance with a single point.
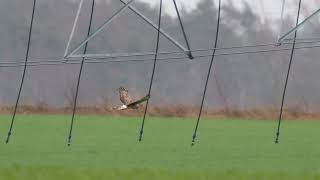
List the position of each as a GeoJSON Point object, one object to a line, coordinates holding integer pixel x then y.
{"type": "Point", "coordinates": [127, 101]}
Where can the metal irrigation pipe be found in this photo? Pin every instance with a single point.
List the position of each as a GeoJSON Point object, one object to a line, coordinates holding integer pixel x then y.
{"type": "Point", "coordinates": [101, 60]}
{"type": "Point", "coordinates": [127, 55]}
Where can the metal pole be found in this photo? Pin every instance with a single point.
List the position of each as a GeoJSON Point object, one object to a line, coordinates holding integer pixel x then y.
{"type": "Point", "coordinates": [73, 28]}
{"type": "Point", "coordinates": [49, 62]}
{"type": "Point", "coordinates": [118, 55]}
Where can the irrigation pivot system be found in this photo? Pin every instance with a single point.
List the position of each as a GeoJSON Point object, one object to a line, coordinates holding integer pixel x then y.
{"type": "Point", "coordinates": [73, 56]}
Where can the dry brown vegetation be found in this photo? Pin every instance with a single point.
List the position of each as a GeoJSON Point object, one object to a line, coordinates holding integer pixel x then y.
{"type": "Point", "coordinates": [169, 111]}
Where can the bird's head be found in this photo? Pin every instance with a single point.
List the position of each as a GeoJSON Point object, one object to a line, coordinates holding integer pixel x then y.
{"type": "Point", "coordinates": [121, 89]}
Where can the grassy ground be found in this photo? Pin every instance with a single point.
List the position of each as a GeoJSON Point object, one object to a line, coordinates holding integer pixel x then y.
{"type": "Point", "coordinates": [107, 148]}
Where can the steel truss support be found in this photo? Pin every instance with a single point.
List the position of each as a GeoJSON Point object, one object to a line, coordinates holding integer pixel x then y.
{"type": "Point", "coordinates": [127, 5]}
{"type": "Point", "coordinates": [298, 26]}
{"type": "Point", "coordinates": [105, 24]}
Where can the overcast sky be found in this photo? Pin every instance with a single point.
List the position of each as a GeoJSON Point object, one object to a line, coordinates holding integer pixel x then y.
{"type": "Point", "coordinates": [265, 8]}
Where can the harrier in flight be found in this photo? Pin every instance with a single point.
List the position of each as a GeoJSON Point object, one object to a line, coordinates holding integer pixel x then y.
{"type": "Point", "coordinates": [127, 101]}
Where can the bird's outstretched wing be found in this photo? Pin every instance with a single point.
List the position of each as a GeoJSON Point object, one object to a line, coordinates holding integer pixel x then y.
{"type": "Point", "coordinates": [133, 104]}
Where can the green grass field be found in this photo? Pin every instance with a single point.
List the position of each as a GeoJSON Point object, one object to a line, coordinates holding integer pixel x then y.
{"type": "Point", "coordinates": [107, 148]}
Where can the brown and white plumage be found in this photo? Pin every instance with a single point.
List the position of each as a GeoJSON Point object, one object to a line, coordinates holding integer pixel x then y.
{"type": "Point", "coordinates": [125, 98]}
{"type": "Point", "coordinates": [127, 101]}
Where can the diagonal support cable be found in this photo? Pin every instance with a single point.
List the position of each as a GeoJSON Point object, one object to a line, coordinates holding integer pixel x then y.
{"type": "Point", "coordinates": [287, 76]}
{"type": "Point", "coordinates": [166, 35]}
{"type": "Point", "coordinates": [208, 75]}
{"type": "Point", "coordinates": [23, 74]}
{"type": "Point", "coordinates": [79, 77]}
{"type": "Point", "coordinates": [106, 23]}
{"type": "Point", "coordinates": [183, 31]}
{"type": "Point", "coordinates": [152, 75]}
